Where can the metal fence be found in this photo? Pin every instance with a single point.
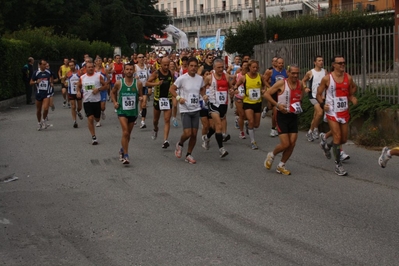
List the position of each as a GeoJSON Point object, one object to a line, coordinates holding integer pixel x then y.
{"type": "Point", "coordinates": [369, 55]}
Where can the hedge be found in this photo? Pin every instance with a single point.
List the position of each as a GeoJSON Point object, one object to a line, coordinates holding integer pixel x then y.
{"type": "Point", "coordinates": [13, 57]}
{"type": "Point", "coordinates": [46, 45]}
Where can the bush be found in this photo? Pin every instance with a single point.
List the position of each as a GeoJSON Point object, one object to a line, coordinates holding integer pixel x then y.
{"type": "Point", "coordinates": [45, 44]}
{"type": "Point", "coordinates": [13, 57]}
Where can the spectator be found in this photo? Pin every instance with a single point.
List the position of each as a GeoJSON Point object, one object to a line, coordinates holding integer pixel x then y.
{"type": "Point", "coordinates": [27, 72]}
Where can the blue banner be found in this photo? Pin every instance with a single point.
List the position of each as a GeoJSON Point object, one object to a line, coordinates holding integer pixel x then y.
{"type": "Point", "coordinates": [210, 42]}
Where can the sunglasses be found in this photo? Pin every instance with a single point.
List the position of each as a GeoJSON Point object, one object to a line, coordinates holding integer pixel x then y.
{"type": "Point", "coordinates": [340, 63]}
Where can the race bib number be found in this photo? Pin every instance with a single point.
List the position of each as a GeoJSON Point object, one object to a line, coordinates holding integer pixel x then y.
{"type": "Point", "coordinates": [241, 91]}
{"type": "Point", "coordinates": [221, 97]}
{"type": "Point", "coordinates": [341, 104]}
{"type": "Point", "coordinates": [129, 102]}
{"type": "Point", "coordinates": [43, 85]}
{"type": "Point", "coordinates": [254, 94]}
{"type": "Point", "coordinates": [118, 76]}
{"type": "Point", "coordinates": [164, 104]}
{"type": "Point", "coordinates": [89, 86]}
{"type": "Point", "coordinates": [73, 87]}
{"type": "Point", "coordinates": [297, 108]}
{"type": "Point", "coordinates": [193, 99]}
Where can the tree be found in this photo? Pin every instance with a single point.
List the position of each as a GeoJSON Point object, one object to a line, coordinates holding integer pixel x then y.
{"type": "Point", "coordinates": [247, 35]}
{"type": "Point", "coordinates": [118, 22]}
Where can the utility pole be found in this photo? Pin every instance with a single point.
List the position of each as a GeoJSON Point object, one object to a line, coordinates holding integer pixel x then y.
{"type": "Point", "coordinates": [262, 14]}
{"type": "Point", "coordinates": [253, 11]}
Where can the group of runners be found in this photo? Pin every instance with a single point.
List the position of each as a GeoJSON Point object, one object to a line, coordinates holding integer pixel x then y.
{"type": "Point", "coordinates": [202, 92]}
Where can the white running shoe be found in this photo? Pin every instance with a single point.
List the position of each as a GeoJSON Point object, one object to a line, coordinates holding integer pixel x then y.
{"type": "Point", "coordinates": [103, 116]}
{"type": "Point", "coordinates": [222, 152]}
{"type": "Point", "coordinates": [205, 142]}
{"type": "Point", "coordinates": [315, 133]}
{"type": "Point", "coordinates": [309, 135]}
{"type": "Point", "coordinates": [264, 112]}
{"type": "Point", "coordinates": [344, 156]}
{"type": "Point", "coordinates": [384, 158]}
{"type": "Point", "coordinates": [98, 124]}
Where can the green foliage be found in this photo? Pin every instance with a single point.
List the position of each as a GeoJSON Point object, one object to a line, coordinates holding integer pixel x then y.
{"type": "Point", "coordinates": [305, 119]}
{"type": "Point", "coordinates": [248, 34]}
{"type": "Point", "coordinates": [119, 22]}
{"type": "Point", "coordinates": [45, 44]}
{"type": "Point", "coordinates": [310, 25]}
{"type": "Point", "coordinates": [367, 106]}
{"type": "Point", "coordinates": [13, 57]}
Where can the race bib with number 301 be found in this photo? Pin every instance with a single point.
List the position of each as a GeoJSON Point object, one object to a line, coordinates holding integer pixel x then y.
{"type": "Point", "coordinates": [129, 102]}
{"type": "Point", "coordinates": [341, 104]}
{"type": "Point", "coordinates": [164, 104]}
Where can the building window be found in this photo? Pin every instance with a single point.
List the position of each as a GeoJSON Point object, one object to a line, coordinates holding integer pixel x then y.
{"type": "Point", "coordinates": [201, 8]}
{"type": "Point", "coordinates": [223, 5]}
{"type": "Point", "coordinates": [175, 12]}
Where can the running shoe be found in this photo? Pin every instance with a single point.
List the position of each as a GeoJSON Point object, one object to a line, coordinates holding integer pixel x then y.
{"type": "Point", "coordinates": [226, 137]}
{"type": "Point", "coordinates": [142, 125]}
{"type": "Point", "coordinates": [223, 152]}
{"type": "Point", "coordinates": [69, 105]}
{"type": "Point", "coordinates": [242, 135]}
{"type": "Point", "coordinates": [326, 150]}
{"type": "Point", "coordinates": [154, 135]}
{"type": "Point", "coordinates": [140, 114]}
{"type": "Point", "coordinates": [309, 135]}
{"type": "Point", "coordinates": [45, 125]}
{"type": "Point", "coordinates": [165, 144]}
{"type": "Point", "coordinates": [236, 123]}
{"type": "Point", "coordinates": [64, 104]}
{"type": "Point", "coordinates": [75, 125]}
{"type": "Point", "coordinates": [315, 133]}
{"type": "Point", "coordinates": [94, 140]}
{"type": "Point", "coordinates": [269, 160]}
{"type": "Point", "coordinates": [121, 155]}
{"type": "Point", "coordinates": [125, 160]}
{"type": "Point", "coordinates": [190, 159]}
{"type": "Point", "coordinates": [174, 122]}
{"type": "Point", "coordinates": [178, 150]}
{"type": "Point", "coordinates": [205, 142]}
{"type": "Point", "coordinates": [53, 108]}
{"type": "Point", "coordinates": [282, 170]}
{"type": "Point", "coordinates": [264, 112]}
{"type": "Point", "coordinates": [383, 160]}
{"type": "Point", "coordinates": [344, 156]}
{"type": "Point", "coordinates": [339, 169]}
{"type": "Point", "coordinates": [103, 116]}
{"type": "Point", "coordinates": [273, 133]}
{"type": "Point", "coordinates": [98, 124]}
{"type": "Point", "coordinates": [80, 116]}
{"type": "Point", "coordinates": [322, 139]}
{"type": "Point", "coordinates": [39, 126]}
{"type": "Point", "coordinates": [254, 146]}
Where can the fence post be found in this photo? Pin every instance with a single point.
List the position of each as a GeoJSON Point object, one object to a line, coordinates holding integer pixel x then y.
{"type": "Point", "coordinates": [364, 44]}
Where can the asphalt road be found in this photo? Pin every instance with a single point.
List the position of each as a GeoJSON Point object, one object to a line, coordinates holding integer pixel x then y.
{"type": "Point", "coordinates": [75, 204]}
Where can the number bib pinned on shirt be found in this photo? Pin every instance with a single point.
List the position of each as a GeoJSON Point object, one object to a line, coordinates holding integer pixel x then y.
{"type": "Point", "coordinates": [43, 85]}
{"type": "Point", "coordinates": [221, 97]}
{"type": "Point", "coordinates": [297, 108]}
{"type": "Point", "coordinates": [129, 102]}
{"type": "Point", "coordinates": [341, 104]}
{"type": "Point", "coordinates": [118, 76]}
{"type": "Point", "coordinates": [193, 100]}
{"type": "Point", "coordinates": [164, 104]}
{"type": "Point", "coordinates": [254, 94]}
{"type": "Point", "coordinates": [88, 86]}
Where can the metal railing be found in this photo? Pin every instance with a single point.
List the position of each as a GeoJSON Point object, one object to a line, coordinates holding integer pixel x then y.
{"type": "Point", "coordinates": [369, 56]}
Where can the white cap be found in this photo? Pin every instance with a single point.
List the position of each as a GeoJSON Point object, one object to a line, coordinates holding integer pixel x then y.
{"type": "Point", "coordinates": [160, 55]}
{"type": "Point", "coordinates": [177, 54]}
